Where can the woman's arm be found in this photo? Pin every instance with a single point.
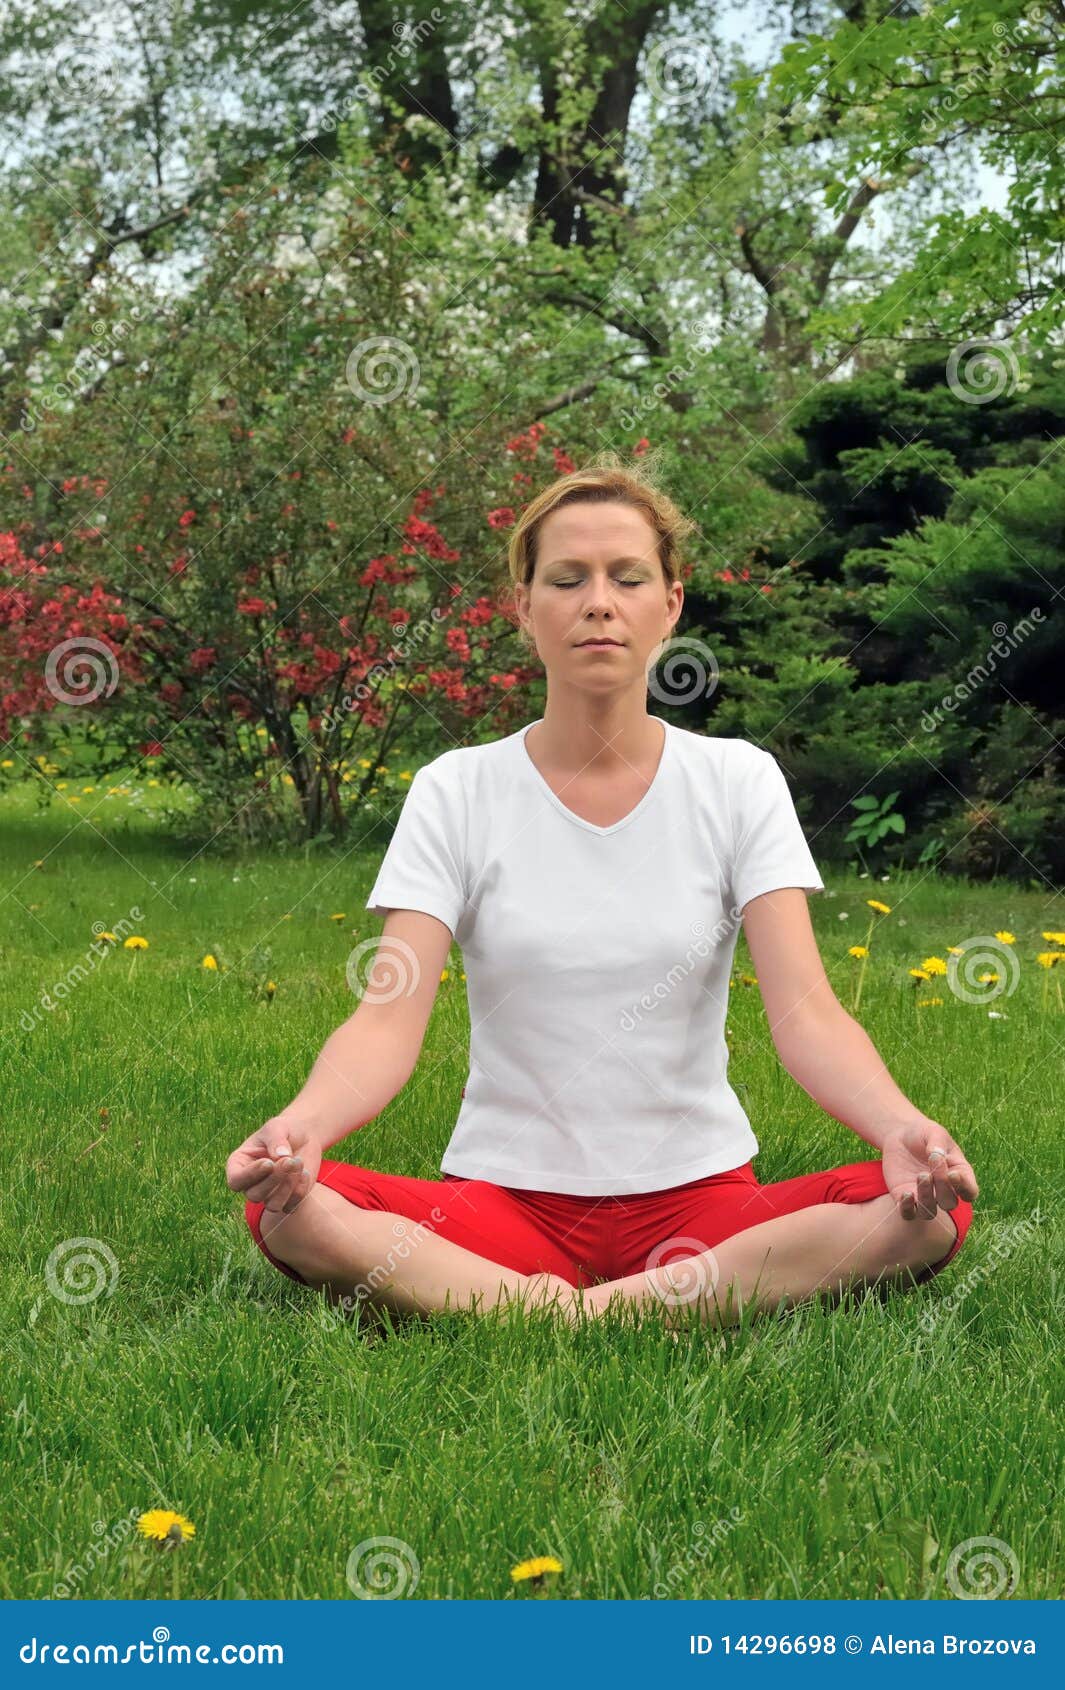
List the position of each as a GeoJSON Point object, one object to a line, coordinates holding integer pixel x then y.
{"type": "Point", "coordinates": [361, 1067]}
{"type": "Point", "coordinates": [829, 1054]}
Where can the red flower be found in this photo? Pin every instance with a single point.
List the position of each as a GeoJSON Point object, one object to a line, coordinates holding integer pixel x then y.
{"type": "Point", "coordinates": [564, 464]}
{"type": "Point", "coordinates": [185, 518]}
{"type": "Point", "coordinates": [202, 658]}
{"type": "Point", "coordinates": [640, 447]}
{"type": "Point", "coordinates": [152, 748]}
{"type": "Point", "coordinates": [503, 517]}
{"type": "Point", "coordinates": [251, 607]}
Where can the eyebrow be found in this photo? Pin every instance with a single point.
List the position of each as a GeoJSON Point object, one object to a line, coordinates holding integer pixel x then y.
{"type": "Point", "coordinates": [576, 562]}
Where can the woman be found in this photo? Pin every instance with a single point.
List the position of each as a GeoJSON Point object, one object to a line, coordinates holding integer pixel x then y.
{"type": "Point", "coordinates": [594, 868]}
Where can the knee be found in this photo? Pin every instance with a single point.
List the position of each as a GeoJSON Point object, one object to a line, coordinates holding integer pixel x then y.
{"type": "Point", "coordinates": [294, 1238]}
{"type": "Point", "coordinates": [921, 1243]}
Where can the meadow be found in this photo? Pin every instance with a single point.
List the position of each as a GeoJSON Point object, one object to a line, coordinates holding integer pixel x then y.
{"type": "Point", "coordinates": [894, 1445]}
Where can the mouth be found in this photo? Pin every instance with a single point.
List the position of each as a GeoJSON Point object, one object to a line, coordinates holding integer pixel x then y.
{"type": "Point", "coordinates": [601, 643]}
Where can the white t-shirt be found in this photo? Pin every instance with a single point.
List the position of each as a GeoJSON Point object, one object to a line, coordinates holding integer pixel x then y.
{"type": "Point", "coordinates": [597, 959]}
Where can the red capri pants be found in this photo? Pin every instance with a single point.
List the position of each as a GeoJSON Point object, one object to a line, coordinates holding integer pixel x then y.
{"type": "Point", "coordinates": [587, 1239]}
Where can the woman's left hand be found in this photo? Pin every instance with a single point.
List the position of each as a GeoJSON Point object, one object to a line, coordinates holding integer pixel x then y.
{"type": "Point", "coordinates": [925, 1171]}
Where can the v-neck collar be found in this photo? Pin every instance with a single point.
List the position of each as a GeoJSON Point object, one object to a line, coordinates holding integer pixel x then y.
{"type": "Point", "coordinates": [564, 809]}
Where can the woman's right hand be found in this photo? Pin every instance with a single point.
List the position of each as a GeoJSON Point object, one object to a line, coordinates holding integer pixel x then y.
{"type": "Point", "coordinates": [278, 1165]}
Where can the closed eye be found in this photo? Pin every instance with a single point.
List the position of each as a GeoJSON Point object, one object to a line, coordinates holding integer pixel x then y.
{"type": "Point", "coordinates": [620, 584]}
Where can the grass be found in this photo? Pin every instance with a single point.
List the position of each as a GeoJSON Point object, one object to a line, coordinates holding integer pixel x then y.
{"type": "Point", "coordinates": [831, 1452]}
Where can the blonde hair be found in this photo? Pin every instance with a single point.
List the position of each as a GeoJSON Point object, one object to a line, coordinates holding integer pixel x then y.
{"type": "Point", "coordinates": [606, 476]}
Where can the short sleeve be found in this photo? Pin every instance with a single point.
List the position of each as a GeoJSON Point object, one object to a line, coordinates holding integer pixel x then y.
{"type": "Point", "coordinates": [422, 865]}
{"type": "Point", "coordinates": [770, 849]}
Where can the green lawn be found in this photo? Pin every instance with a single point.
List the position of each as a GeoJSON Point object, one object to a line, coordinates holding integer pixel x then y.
{"type": "Point", "coordinates": [832, 1452]}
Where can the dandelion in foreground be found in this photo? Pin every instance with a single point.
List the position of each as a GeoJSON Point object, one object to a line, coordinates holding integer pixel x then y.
{"type": "Point", "coordinates": [929, 1003]}
{"type": "Point", "coordinates": [881, 909]}
{"type": "Point", "coordinates": [135, 943]}
{"type": "Point", "coordinates": [1005, 938]}
{"type": "Point", "coordinates": [934, 965]}
{"type": "Point", "coordinates": [1051, 938]}
{"type": "Point", "coordinates": [535, 1569]}
{"type": "Point", "coordinates": [1047, 959]}
{"type": "Point", "coordinates": [210, 962]}
{"type": "Point", "coordinates": [340, 917]}
{"type": "Point", "coordinates": [858, 950]}
{"type": "Point", "coordinates": [270, 988]}
{"type": "Point", "coordinates": [163, 1527]}
{"type": "Point", "coordinates": [919, 974]}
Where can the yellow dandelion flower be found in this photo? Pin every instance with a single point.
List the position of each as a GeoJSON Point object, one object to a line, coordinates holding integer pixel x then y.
{"type": "Point", "coordinates": [1005, 938]}
{"type": "Point", "coordinates": [535, 1569]}
{"type": "Point", "coordinates": [73, 799]}
{"type": "Point", "coordinates": [8, 763]}
{"type": "Point", "coordinates": [339, 917]}
{"type": "Point", "coordinates": [111, 936]}
{"type": "Point", "coordinates": [445, 974]}
{"type": "Point", "coordinates": [162, 1526]}
{"type": "Point", "coordinates": [88, 789]}
{"type": "Point", "coordinates": [1055, 938]}
{"type": "Point", "coordinates": [405, 774]}
{"type": "Point", "coordinates": [270, 988]}
{"type": "Point", "coordinates": [748, 979]}
{"type": "Point", "coordinates": [153, 781]}
{"type": "Point", "coordinates": [135, 943]}
{"type": "Point", "coordinates": [934, 965]}
{"type": "Point", "coordinates": [1047, 959]}
{"type": "Point", "coordinates": [955, 950]}
{"type": "Point", "coordinates": [928, 1003]}
{"type": "Point", "coordinates": [988, 979]}
{"type": "Point", "coordinates": [881, 909]}
{"type": "Point", "coordinates": [61, 785]}
{"type": "Point", "coordinates": [209, 962]}
{"type": "Point", "coordinates": [858, 950]}
{"type": "Point", "coordinates": [919, 974]}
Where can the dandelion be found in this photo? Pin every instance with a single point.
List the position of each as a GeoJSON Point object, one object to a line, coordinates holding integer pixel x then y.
{"type": "Point", "coordinates": [270, 988]}
{"type": "Point", "coordinates": [881, 909]}
{"type": "Point", "coordinates": [1054, 938]}
{"type": "Point", "coordinates": [209, 962]}
{"type": "Point", "coordinates": [955, 950]}
{"type": "Point", "coordinates": [929, 1003]}
{"type": "Point", "coordinates": [1005, 938]}
{"type": "Point", "coordinates": [748, 979]}
{"type": "Point", "coordinates": [135, 943]}
{"type": "Point", "coordinates": [112, 937]}
{"type": "Point", "coordinates": [162, 1526]}
{"type": "Point", "coordinates": [340, 917]}
{"type": "Point", "coordinates": [858, 950]}
{"type": "Point", "coordinates": [535, 1569]}
{"type": "Point", "coordinates": [919, 974]}
{"type": "Point", "coordinates": [989, 979]}
{"type": "Point", "coordinates": [1047, 959]}
{"type": "Point", "coordinates": [934, 965]}
{"type": "Point", "coordinates": [445, 974]}
{"type": "Point", "coordinates": [8, 763]}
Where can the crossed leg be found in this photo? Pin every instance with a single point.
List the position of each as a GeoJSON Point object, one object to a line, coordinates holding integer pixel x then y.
{"type": "Point", "coordinates": [827, 1247]}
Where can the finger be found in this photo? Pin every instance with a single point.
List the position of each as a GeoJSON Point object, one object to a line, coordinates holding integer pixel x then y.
{"type": "Point", "coordinates": [944, 1193]}
{"type": "Point", "coordinates": [963, 1178]}
{"type": "Point", "coordinates": [908, 1204]}
{"type": "Point", "coordinates": [926, 1198]}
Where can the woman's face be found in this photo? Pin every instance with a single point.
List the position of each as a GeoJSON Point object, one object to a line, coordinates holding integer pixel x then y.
{"type": "Point", "coordinates": [598, 575]}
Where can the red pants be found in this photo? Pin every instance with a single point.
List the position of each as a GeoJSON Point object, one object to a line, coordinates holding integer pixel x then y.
{"type": "Point", "coordinates": [586, 1239]}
